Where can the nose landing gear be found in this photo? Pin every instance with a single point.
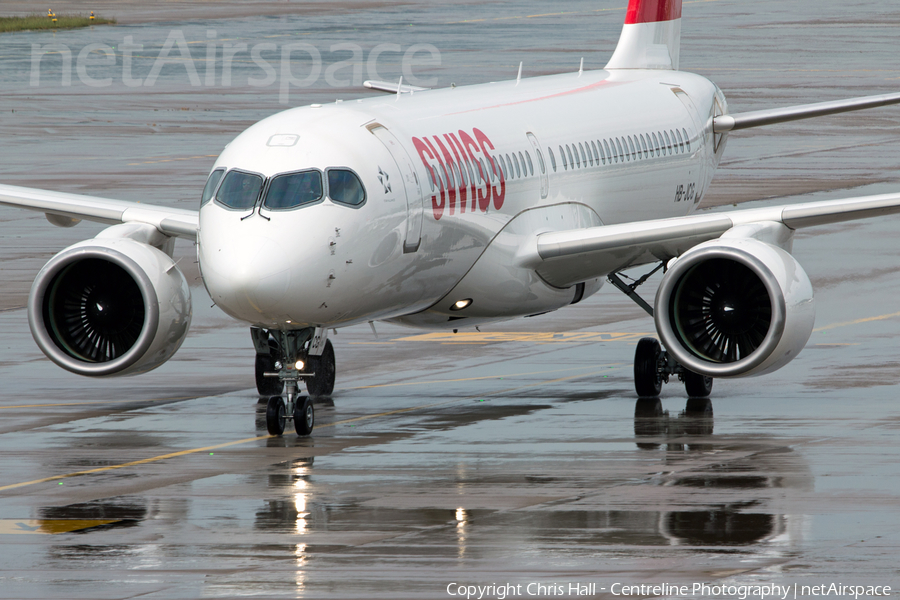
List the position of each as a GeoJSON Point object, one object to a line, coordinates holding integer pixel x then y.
{"type": "Point", "coordinates": [290, 406]}
{"type": "Point", "coordinates": [283, 358]}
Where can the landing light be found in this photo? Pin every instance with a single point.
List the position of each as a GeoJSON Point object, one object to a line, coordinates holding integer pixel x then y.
{"type": "Point", "coordinates": [299, 366]}
{"type": "Point", "coordinates": [461, 304]}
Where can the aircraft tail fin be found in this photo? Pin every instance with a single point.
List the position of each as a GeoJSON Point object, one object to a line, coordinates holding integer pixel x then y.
{"type": "Point", "coordinates": [651, 37]}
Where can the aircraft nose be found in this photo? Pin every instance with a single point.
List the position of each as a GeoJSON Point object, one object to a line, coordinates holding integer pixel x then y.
{"type": "Point", "coordinates": [248, 277]}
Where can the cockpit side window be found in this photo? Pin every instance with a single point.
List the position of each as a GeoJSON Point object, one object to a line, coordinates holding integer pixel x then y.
{"type": "Point", "coordinates": [239, 190]}
{"type": "Point", "coordinates": [293, 190]}
{"type": "Point", "coordinates": [345, 187]}
{"type": "Point", "coordinates": [211, 184]}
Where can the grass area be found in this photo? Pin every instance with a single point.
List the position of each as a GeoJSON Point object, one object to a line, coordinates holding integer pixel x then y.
{"type": "Point", "coordinates": [33, 22]}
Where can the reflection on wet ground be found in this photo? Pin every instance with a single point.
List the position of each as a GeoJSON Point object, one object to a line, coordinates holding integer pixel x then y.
{"type": "Point", "coordinates": [651, 421]}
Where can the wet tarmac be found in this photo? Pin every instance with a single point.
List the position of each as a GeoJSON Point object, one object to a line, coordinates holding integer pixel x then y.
{"type": "Point", "coordinates": [514, 455]}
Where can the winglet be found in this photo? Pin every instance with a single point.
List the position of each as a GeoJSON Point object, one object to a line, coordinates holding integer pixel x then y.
{"type": "Point", "coordinates": [651, 37]}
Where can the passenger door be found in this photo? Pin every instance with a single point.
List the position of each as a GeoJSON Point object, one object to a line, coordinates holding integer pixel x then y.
{"type": "Point", "coordinates": [411, 187]}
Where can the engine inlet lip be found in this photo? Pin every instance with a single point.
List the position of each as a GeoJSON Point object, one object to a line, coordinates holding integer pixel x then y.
{"type": "Point", "coordinates": [687, 358]}
{"type": "Point", "coordinates": [39, 326]}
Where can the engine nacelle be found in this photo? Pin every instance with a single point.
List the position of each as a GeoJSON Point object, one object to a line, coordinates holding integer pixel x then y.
{"type": "Point", "coordinates": [109, 306]}
{"type": "Point", "coordinates": [734, 307]}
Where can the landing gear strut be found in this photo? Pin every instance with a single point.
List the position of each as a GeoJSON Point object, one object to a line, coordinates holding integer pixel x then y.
{"type": "Point", "coordinates": [283, 358]}
{"type": "Point", "coordinates": [652, 364]}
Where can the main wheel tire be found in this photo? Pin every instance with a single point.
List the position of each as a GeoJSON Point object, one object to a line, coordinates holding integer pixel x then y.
{"type": "Point", "coordinates": [697, 386]}
{"type": "Point", "coordinates": [647, 381]}
{"type": "Point", "coordinates": [267, 386]}
{"type": "Point", "coordinates": [304, 416]}
{"type": "Point", "coordinates": [275, 416]}
{"type": "Point", "coordinates": [322, 384]}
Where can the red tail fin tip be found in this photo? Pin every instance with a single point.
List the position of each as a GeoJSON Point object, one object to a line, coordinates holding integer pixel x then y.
{"type": "Point", "coordinates": [652, 11]}
{"type": "Point", "coordinates": [651, 37]}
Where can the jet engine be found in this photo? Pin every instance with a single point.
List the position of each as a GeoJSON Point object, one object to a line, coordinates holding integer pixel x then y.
{"type": "Point", "coordinates": [109, 306]}
{"type": "Point", "coordinates": [734, 307]}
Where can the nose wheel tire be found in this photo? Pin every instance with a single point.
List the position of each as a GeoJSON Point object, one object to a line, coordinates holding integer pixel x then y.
{"type": "Point", "coordinates": [322, 383]}
{"type": "Point", "coordinates": [304, 416]}
{"type": "Point", "coordinates": [647, 378]}
{"type": "Point", "coordinates": [697, 386]}
{"type": "Point", "coordinates": [275, 416]}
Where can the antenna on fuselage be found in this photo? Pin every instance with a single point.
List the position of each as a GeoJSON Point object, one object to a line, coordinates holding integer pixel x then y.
{"type": "Point", "coordinates": [581, 67]}
{"type": "Point", "coordinates": [399, 87]}
{"type": "Point", "coordinates": [519, 76]}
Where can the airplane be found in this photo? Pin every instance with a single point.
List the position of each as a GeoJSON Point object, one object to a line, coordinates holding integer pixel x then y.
{"type": "Point", "coordinates": [449, 208]}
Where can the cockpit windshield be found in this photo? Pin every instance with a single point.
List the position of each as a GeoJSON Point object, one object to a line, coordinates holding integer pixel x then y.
{"type": "Point", "coordinates": [214, 178]}
{"type": "Point", "coordinates": [293, 190]}
{"type": "Point", "coordinates": [240, 190]}
{"type": "Point", "coordinates": [345, 187]}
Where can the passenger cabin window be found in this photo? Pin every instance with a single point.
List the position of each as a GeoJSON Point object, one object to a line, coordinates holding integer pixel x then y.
{"type": "Point", "coordinates": [562, 154]}
{"type": "Point", "coordinates": [293, 190]}
{"type": "Point", "coordinates": [655, 144]}
{"type": "Point", "coordinates": [596, 156]}
{"type": "Point", "coordinates": [210, 188]}
{"type": "Point", "coordinates": [608, 156]}
{"type": "Point", "coordinates": [239, 190]}
{"type": "Point", "coordinates": [680, 141]}
{"type": "Point", "coordinates": [531, 164]}
{"type": "Point", "coordinates": [687, 140]}
{"type": "Point", "coordinates": [552, 158]}
{"type": "Point", "coordinates": [518, 169]}
{"type": "Point", "coordinates": [345, 187]}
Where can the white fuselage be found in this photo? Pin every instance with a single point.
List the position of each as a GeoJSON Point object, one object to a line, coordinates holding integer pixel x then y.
{"type": "Point", "coordinates": [442, 221]}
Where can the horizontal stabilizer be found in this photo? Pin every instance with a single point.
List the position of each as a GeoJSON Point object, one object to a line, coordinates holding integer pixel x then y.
{"type": "Point", "coordinates": [758, 118]}
{"type": "Point", "coordinates": [391, 88]}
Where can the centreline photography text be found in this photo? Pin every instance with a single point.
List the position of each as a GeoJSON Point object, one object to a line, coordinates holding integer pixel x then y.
{"type": "Point", "coordinates": [767, 591]}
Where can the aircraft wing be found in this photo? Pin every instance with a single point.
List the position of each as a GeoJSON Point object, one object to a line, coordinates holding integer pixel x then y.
{"type": "Point", "coordinates": [564, 258]}
{"type": "Point", "coordinates": [67, 209]}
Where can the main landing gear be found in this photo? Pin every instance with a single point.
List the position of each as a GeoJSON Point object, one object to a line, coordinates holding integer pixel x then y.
{"type": "Point", "coordinates": [652, 365]}
{"type": "Point", "coordinates": [283, 358]}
